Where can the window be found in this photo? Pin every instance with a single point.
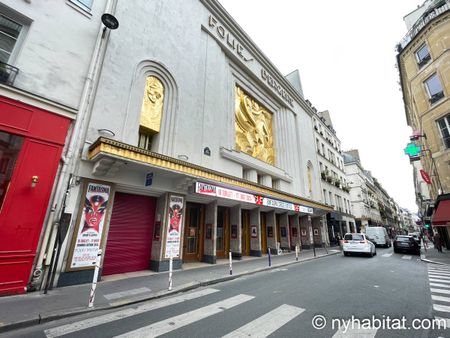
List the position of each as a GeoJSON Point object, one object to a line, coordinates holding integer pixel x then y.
{"type": "Point", "coordinates": [423, 55]}
{"type": "Point", "coordinates": [84, 4]}
{"type": "Point", "coordinates": [9, 34]}
{"type": "Point", "coordinates": [444, 127]}
{"type": "Point", "coordinates": [325, 196]}
{"type": "Point", "coordinates": [434, 88]}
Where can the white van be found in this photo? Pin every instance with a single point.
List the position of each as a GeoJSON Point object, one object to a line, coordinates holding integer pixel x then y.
{"type": "Point", "coordinates": [379, 236]}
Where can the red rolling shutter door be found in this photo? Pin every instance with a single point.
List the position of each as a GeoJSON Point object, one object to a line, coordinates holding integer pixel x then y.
{"type": "Point", "coordinates": [128, 246]}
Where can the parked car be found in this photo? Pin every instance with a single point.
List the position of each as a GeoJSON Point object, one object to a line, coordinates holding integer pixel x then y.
{"type": "Point", "coordinates": [380, 236]}
{"type": "Point", "coordinates": [358, 243]}
{"type": "Point", "coordinates": [406, 243]}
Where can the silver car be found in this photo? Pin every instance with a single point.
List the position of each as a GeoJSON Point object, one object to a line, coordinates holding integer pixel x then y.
{"type": "Point", "coordinates": [358, 243]}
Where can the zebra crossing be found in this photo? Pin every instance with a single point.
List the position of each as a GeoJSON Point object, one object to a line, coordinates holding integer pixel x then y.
{"type": "Point", "coordinates": [261, 326]}
{"type": "Point", "coordinates": [439, 280]}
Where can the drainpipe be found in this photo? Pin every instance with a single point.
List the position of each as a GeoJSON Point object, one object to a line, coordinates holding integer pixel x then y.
{"type": "Point", "coordinates": [73, 152]}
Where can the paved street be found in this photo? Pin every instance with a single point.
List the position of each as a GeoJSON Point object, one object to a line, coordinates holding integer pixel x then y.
{"type": "Point", "coordinates": [282, 303]}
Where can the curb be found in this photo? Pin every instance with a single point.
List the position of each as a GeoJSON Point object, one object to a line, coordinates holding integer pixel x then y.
{"type": "Point", "coordinates": [52, 316]}
{"type": "Point", "coordinates": [424, 259]}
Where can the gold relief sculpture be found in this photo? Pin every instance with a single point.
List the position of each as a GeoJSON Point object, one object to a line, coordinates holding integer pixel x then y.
{"type": "Point", "coordinates": [152, 105]}
{"type": "Point", "coordinates": [253, 128]}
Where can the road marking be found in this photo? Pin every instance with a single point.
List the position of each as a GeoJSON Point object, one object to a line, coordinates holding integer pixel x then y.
{"type": "Point", "coordinates": [440, 285]}
{"type": "Point", "coordinates": [387, 254]}
{"type": "Point", "coordinates": [91, 322]}
{"type": "Point", "coordinates": [440, 298]}
{"type": "Point", "coordinates": [434, 275]}
{"type": "Point", "coordinates": [406, 257]}
{"type": "Point", "coordinates": [438, 269]}
{"type": "Point", "coordinates": [126, 293]}
{"type": "Point", "coordinates": [355, 333]}
{"type": "Point", "coordinates": [268, 323]}
{"type": "Point", "coordinates": [443, 320]}
{"type": "Point", "coordinates": [447, 292]}
{"type": "Point", "coordinates": [438, 280]}
{"type": "Point", "coordinates": [441, 308]}
{"type": "Point", "coordinates": [173, 323]}
{"type": "Point", "coordinates": [444, 272]}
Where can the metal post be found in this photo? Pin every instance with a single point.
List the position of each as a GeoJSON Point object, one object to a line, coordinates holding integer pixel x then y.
{"type": "Point", "coordinates": [270, 258]}
{"type": "Point", "coordinates": [94, 281]}
{"type": "Point", "coordinates": [296, 253]}
{"type": "Point", "coordinates": [231, 263]}
{"type": "Point", "coordinates": [170, 271]}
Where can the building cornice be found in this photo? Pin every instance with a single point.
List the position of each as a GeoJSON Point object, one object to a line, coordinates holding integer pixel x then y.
{"type": "Point", "coordinates": [109, 147]}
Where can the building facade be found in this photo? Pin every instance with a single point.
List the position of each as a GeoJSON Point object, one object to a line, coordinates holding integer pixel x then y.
{"type": "Point", "coordinates": [424, 64]}
{"type": "Point", "coordinates": [196, 147]}
{"type": "Point", "coordinates": [335, 188]}
{"type": "Point", "coordinates": [363, 193]}
{"type": "Point", "coordinates": [42, 82]}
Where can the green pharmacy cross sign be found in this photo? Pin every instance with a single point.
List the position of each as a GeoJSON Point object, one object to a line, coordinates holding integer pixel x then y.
{"type": "Point", "coordinates": [413, 151]}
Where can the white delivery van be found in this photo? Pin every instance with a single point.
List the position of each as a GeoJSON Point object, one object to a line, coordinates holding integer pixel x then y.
{"type": "Point", "coordinates": [379, 236]}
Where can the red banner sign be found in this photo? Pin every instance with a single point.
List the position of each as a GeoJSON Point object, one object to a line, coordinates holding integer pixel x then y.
{"type": "Point", "coordinates": [425, 176]}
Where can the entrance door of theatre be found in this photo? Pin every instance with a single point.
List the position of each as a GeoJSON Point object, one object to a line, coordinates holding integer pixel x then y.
{"type": "Point", "coordinates": [223, 237]}
{"type": "Point", "coordinates": [263, 233]}
{"type": "Point", "coordinates": [193, 232]}
{"type": "Point", "coordinates": [245, 238]}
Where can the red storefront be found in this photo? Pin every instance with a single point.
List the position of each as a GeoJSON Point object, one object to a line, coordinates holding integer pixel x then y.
{"type": "Point", "coordinates": [31, 142]}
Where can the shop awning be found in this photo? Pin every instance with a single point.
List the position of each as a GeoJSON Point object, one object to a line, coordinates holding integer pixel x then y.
{"type": "Point", "coordinates": [441, 216]}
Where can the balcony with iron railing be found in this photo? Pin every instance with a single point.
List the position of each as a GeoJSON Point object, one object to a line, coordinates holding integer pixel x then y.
{"type": "Point", "coordinates": [439, 8]}
{"type": "Point", "coordinates": [8, 73]}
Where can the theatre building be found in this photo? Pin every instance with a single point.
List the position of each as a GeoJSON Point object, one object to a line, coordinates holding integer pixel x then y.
{"type": "Point", "coordinates": [197, 146]}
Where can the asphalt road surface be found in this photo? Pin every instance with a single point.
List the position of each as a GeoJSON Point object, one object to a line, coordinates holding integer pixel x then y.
{"type": "Point", "coordinates": [389, 295]}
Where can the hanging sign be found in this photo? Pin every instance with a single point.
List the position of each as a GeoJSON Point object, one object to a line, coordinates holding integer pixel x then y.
{"type": "Point", "coordinates": [425, 176]}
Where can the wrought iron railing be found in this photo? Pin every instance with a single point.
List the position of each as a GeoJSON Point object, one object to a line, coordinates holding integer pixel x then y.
{"type": "Point", "coordinates": [430, 14]}
{"type": "Point", "coordinates": [7, 73]}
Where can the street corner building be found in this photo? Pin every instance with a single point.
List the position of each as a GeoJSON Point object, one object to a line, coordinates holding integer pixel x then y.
{"type": "Point", "coordinates": [423, 61]}
{"type": "Point", "coordinates": [180, 140]}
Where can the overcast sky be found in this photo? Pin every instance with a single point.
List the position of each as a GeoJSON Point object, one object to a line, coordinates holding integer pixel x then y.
{"type": "Point", "coordinates": [345, 53]}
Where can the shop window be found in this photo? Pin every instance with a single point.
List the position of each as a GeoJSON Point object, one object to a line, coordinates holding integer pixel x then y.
{"type": "Point", "coordinates": [434, 88]}
{"type": "Point", "coordinates": [423, 55]}
{"type": "Point", "coordinates": [444, 127]}
{"type": "Point", "coordinates": [10, 146]}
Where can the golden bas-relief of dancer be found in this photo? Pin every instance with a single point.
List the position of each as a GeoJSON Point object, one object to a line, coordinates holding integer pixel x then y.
{"type": "Point", "coordinates": [152, 105]}
{"type": "Point", "coordinates": [253, 128]}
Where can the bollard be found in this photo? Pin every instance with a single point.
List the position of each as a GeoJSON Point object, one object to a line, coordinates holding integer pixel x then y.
{"type": "Point", "coordinates": [231, 263]}
{"type": "Point", "coordinates": [94, 281]}
{"type": "Point", "coordinates": [170, 271]}
{"type": "Point", "coordinates": [270, 258]}
{"type": "Point", "coordinates": [296, 253]}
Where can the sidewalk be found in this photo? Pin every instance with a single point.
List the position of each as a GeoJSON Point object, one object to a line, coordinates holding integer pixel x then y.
{"type": "Point", "coordinates": [432, 255]}
{"type": "Point", "coordinates": [115, 291]}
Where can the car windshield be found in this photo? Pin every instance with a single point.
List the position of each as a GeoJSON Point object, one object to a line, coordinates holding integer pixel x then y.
{"type": "Point", "coordinates": [355, 237]}
{"type": "Point", "coordinates": [402, 239]}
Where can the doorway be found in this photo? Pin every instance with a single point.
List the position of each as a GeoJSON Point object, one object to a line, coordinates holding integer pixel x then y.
{"type": "Point", "coordinates": [222, 237]}
{"type": "Point", "coordinates": [245, 236]}
{"type": "Point", "coordinates": [263, 233]}
{"type": "Point", "coordinates": [193, 232]}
